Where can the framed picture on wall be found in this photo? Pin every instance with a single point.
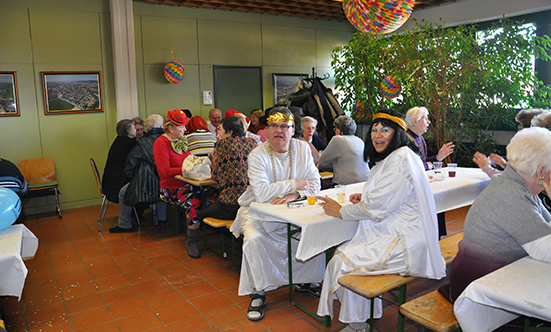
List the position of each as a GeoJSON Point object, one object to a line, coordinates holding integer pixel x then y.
{"type": "Point", "coordinates": [9, 99]}
{"type": "Point", "coordinates": [72, 92]}
{"type": "Point", "coordinates": [284, 85]}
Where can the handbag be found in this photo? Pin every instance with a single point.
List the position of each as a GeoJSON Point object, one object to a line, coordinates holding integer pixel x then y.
{"type": "Point", "coordinates": [196, 168]}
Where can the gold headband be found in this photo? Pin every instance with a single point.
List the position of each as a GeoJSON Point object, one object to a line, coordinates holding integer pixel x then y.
{"type": "Point", "coordinates": [395, 119]}
{"type": "Point", "coordinates": [280, 117]}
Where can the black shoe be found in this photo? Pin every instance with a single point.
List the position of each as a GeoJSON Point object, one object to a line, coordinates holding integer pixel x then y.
{"type": "Point", "coordinates": [117, 229]}
{"type": "Point", "coordinates": [311, 289]}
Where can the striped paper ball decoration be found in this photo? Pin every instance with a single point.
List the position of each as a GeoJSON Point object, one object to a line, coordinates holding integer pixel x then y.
{"type": "Point", "coordinates": [390, 87]}
{"type": "Point", "coordinates": [174, 71]}
{"type": "Point", "coordinates": [377, 16]}
{"type": "Point", "coordinates": [360, 112]}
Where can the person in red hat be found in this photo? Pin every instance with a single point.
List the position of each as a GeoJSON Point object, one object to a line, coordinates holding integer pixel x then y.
{"type": "Point", "coordinates": [170, 150]}
{"type": "Point", "coordinates": [246, 122]}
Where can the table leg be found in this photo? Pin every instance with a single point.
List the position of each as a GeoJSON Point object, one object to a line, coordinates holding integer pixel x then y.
{"type": "Point", "coordinates": [325, 321]}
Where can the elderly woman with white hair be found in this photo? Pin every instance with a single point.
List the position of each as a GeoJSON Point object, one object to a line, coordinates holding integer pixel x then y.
{"type": "Point", "coordinates": [417, 120]}
{"type": "Point", "coordinates": [309, 124]}
{"type": "Point", "coordinates": [508, 220]}
{"type": "Point", "coordinates": [344, 153]}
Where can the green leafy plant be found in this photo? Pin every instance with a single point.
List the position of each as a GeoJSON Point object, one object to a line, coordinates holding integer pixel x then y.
{"type": "Point", "coordinates": [472, 82]}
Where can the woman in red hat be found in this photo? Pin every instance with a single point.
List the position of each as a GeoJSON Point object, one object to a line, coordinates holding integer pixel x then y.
{"type": "Point", "coordinates": [170, 150]}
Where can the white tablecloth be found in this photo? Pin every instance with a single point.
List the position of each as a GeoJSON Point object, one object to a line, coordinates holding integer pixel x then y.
{"type": "Point", "coordinates": [320, 231]}
{"type": "Point", "coordinates": [16, 242]}
{"type": "Point", "coordinates": [520, 288]}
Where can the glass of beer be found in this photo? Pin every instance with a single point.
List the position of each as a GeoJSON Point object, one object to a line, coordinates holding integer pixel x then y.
{"type": "Point", "coordinates": [452, 170]}
{"type": "Point", "coordinates": [341, 193]}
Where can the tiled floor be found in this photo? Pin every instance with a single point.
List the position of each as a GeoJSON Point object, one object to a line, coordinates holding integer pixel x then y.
{"type": "Point", "coordinates": [82, 280]}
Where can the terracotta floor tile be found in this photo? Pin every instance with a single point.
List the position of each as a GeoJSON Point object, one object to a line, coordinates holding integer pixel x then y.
{"type": "Point", "coordinates": [128, 257]}
{"type": "Point", "coordinates": [162, 260]}
{"type": "Point", "coordinates": [119, 294]}
{"type": "Point", "coordinates": [199, 263]}
{"type": "Point", "coordinates": [196, 289]}
{"type": "Point", "coordinates": [40, 299]}
{"type": "Point", "coordinates": [213, 271]}
{"type": "Point", "coordinates": [134, 266]}
{"type": "Point", "coordinates": [40, 286]}
{"type": "Point", "coordinates": [183, 278]}
{"type": "Point", "coordinates": [99, 263]}
{"type": "Point", "coordinates": [73, 279]}
{"type": "Point", "coordinates": [193, 324]}
{"type": "Point", "coordinates": [152, 286]}
{"type": "Point", "coordinates": [78, 290]}
{"type": "Point", "coordinates": [171, 269]}
{"type": "Point", "coordinates": [225, 315]}
{"type": "Point", "coordinates": [90, 318]}
{"type": "Point", "coordinates": [153, 252]}
{"type": "Point", "coordinates": [128, 308]}
{"type": "Point", "coordinates": [143, 275]}
{"type": "Point", "coordinates": [112, 283]}
{"type": "Point", "coordinates": [296, 325]}
{"type": "Point", "coordinates": [278, 316]}
{"type": "Point", "coordinates": [225, 282]}
{"type": "Point", "coordinates": [163, 298]}
{"type": "Point", "coordinates": [74, 267]}
{"type": "Point", "coordinates": [90, 255]}
{"type": "Point", "coordinates": [176, 312]}
{"type": "Point", "coordinates": [84, 303]}
{"type": "Point", "coordinates": [107, 327]}
{"type": "Point", "coordinates": [140, 322]}
{"type": "Point", "coordinates": [242, 325]}
{"type": "Point", "coordinates": [210, 302]}
{"type": "Point", "coordinates": [46, 312]}
{"type": "Point", "coordinates": [55, 325]}
{"type": "Point", "coordinates": [15, 321]}
{"type": "Point", "coordinates": [106, 272]}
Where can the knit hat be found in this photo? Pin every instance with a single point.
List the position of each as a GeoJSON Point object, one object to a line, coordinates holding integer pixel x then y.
{"type": "Point", "coordinates": [178, 117]}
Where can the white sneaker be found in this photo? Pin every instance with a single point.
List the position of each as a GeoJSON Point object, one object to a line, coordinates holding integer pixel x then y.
{"type": "Point", "coordinates": [356, 327]}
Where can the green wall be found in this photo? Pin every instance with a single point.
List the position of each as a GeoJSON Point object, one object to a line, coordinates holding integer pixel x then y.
{"type": "Point", "coordinates": [75, 35]}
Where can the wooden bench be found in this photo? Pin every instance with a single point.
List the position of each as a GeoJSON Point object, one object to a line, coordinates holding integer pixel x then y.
{"type": "Point", "coordinates": [432, 311]}
{"type": "Point", "coordinates": [216, 223]}
{"type": "Point", "coordinates": [396, 285]}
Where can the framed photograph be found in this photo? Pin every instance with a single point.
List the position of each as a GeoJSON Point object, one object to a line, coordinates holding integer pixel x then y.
{"type": "Point", "coordinates": [72, 92]}
{"type": "Point", "coordinates": [9, 99]}
{"type": "Point", "coordinates": [284, 85]}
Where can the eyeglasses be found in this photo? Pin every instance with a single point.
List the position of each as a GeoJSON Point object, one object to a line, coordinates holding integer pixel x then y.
{"type": "Point", "coordinates": [282, 126]}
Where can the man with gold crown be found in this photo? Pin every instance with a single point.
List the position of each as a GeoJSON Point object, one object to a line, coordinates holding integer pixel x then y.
{"type": "Point", "coordinates": [280, 170]}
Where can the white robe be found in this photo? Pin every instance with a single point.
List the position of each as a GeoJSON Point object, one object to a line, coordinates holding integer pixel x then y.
{"type": "Point", "coordinates": [398, 233]}
{"type": "Point", "coordinates": [265, 262]}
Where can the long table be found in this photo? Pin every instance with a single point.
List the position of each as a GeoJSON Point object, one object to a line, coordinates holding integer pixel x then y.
{"type": "Point", "coordinates": [520, 288]}
{"type": "Point", "coordinates": [452, 193]}
{"type": "Point", "coordinates": [17, 243]}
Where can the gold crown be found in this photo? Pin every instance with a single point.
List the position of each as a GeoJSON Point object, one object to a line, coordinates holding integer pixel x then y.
{"type": "Point", "coordinates": [280, 117]}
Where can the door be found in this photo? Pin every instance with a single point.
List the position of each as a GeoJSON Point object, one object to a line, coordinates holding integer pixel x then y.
{"type": "Point", "coordinates": [238, 88]}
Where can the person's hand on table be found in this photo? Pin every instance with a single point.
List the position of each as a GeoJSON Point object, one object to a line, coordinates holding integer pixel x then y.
{"type": "Point", "coordinates": [498, 160]}
{"type": "Point", "coordinates": [445, 151]}
{"type": "Point", "coordinates": [283, 200]}
{"type": "Point", "coordinates": [330, 206]}
{"type": "Point", "coordinates": [305, 185]}
{"type": "Point", "coordinates": [355, 198]}
{"type": "Point", "coordinates": [429, 165]}
{"type": "Point", "coordinates": [481, 160]}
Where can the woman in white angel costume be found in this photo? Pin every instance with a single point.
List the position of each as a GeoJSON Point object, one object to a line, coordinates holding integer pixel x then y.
{"type": "Point", "coordinates": [280, 170]}
{"type": "Point", "coordinates": [397, 231]}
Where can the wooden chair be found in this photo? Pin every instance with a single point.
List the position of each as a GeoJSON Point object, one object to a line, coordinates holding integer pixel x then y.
{"type": "Point", "coordinates": [105, 201]}
{"type": "Point", "coordinates": [40, 176]}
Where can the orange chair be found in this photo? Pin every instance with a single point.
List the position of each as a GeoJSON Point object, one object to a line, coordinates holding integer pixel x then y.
{"type": "Point", "coordinates": [40, 176]}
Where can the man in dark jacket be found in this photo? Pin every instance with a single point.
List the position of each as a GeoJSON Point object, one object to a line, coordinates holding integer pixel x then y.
{"type": "Point", "coordinates": [144, 186]}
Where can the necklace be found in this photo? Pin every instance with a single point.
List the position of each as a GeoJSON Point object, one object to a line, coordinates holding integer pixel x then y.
{"type": "Point", "coordinates": [271, 152]}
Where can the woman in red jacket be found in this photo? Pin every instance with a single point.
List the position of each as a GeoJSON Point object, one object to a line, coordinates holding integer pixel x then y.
{"type": "Point", "coordinates": [169, 151]}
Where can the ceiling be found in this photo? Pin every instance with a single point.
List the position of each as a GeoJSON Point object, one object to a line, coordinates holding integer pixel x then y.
{"type": "Point", "coordinates": [317, 9]}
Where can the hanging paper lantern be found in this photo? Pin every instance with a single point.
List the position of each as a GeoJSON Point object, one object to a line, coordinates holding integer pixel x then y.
{"type": "Point", "coordinates": [377, 16]}
{"type": "Point", "coordinates": [174, 71]}
{"type": "Point", "coordinates": [390, 87]}
{"type": "Point", "coordinates": [360, 112]}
